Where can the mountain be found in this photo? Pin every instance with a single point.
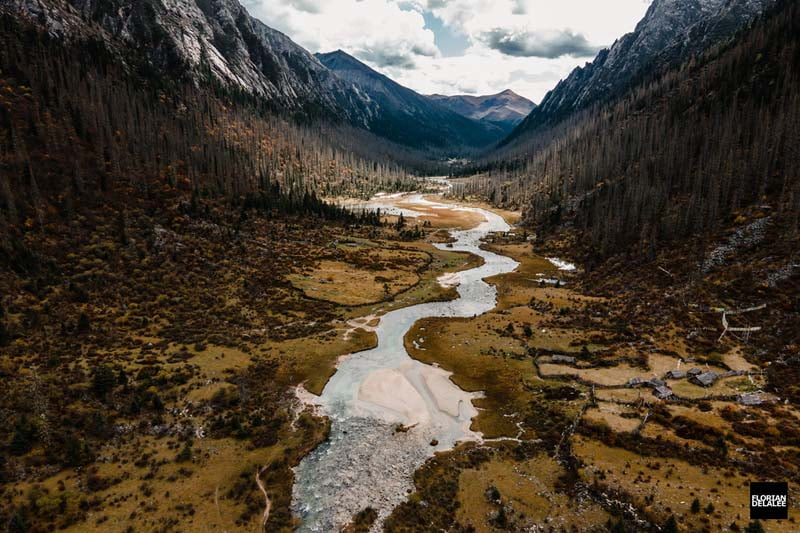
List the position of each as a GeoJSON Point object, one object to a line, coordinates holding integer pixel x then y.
{"type": "Point", "coordinates": [219, 38]}
{"type": "Point", "coordinates": [407, 117]}
{"type": "Point", "coordinates": [505, 109]}
{"type": "Point", "coordinates": [670, 32]}
{"type": "Point", "coordinates": [701, 146]}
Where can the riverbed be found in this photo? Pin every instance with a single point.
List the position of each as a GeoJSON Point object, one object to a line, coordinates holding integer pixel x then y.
{"type": "Point", "coordinates": [367, 462]}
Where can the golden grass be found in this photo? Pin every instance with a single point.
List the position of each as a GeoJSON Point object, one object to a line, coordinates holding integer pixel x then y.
{"type": "Point", "coordinates": [529, 488]}
{"type": "Point", "coordinates": [312, 360]}
{"type": "Point", "coordinates": [481, 361]}
{"type": "Point", "coordinates": [379, 274]}
{"type": "Point", "coordinates": [673, 486]}
{"type": "Point", "coordinates": [611, 415]}
{"type": "Point", "coordinates": [511, 217]}
{"type": "Point", "coordinates": [658, 365]}
{"type": "Point", "coordinates": [722, 387]}
{"type": "Point", "coordinates": [438, 217]}
{"type": "Point", "coordinates": [428, 289]}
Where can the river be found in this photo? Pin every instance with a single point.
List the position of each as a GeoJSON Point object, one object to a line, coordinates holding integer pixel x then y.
{"type": "Point", "coordinates": [366, 462]}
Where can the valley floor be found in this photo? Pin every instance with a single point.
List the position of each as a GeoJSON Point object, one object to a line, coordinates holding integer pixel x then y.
{"type": "Point", "coordinates": [177, 399]}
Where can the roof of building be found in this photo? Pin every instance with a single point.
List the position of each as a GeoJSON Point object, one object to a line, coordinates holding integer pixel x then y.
{"type": "Point", "coordinates": [662, 392]}
{"type": "Point", "coordinates": [705, 379]}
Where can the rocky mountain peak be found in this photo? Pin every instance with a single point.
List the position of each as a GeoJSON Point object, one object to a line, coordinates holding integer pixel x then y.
{"type": "Point", "coordinates": [670, 31]}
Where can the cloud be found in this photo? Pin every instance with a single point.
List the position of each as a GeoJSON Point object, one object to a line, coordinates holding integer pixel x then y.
{"type": "Point", "coordinates": [456, 46]}
{"type": "Point", "coordinates": [520, 7]}
{"type": "Point", "coordinates": [385, 58]}
{"type": "Point", "coordinates": [309, 6]}
{"type": "Point", "coordinates": [549, 44]}
{"type": "Point", "coordinates": [381, 32]}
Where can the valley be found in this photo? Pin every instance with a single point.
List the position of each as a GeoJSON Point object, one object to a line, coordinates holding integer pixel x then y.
{"type": "Point", "coordinates": [250, 281]}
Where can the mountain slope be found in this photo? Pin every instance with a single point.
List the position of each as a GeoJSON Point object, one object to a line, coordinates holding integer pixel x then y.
{"type": "Point", "coordinates": [408, 117]}
{"type": "Point", "coordinates": [670, 32]}
{"type": "Point", "coordinates": [697, 148]}
{"type": "Point", "coordinates": [505, 109]}
{"type": "Point", "coordinates": [195, 38]}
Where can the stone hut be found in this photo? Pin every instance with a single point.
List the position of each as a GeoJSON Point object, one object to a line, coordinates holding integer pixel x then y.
{"type": "Point", "coordinates": [705, 379]}
{"type": "Point", "coordinates": [662, 392]}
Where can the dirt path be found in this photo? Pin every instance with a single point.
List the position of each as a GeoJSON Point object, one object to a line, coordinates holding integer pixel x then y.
{"type": "Point", "coordinates": [268, 503]}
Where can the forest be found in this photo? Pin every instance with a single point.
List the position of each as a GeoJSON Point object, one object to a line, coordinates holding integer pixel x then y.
{"type": "Point", "coordinates": [73, 121]}
{"type": "Point", "coordinates": [680, 155]}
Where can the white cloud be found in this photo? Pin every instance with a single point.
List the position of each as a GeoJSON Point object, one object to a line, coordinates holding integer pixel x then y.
{"type": "Point", "coordinates": [378, 31]}
{"type": "Point", "coordinates": [524, 45]}
{"type": "Point", "coordinates": [546, 43]}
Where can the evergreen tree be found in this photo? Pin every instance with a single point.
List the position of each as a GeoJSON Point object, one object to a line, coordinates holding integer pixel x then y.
{"type": "Point", "coordinates": [17, 522]}
{"type": "Point", "coordinates": [103, 381]}
{"type": "Point", "coordinates": [23, 438]}
{"type": "Point", "coordinates": [83, 323]}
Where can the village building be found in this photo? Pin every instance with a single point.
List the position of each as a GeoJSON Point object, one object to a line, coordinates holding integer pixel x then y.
{"type": "Point", "coordinates": [676, 374]}
{"type": "Point", "coordinates": [705, 379]}
{"type": "Point", "coordinates": [563, 359]}
{"type": "Point", "coordinates": [662, 392]}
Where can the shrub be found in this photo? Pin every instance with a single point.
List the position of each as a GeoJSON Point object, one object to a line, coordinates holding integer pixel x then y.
{"type": "Point", "coordinates": [103, 381]}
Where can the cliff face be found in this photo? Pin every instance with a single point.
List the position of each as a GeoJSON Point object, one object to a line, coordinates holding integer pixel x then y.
{"type": "Point", "coordinates": [670, 32]}
{"type": "Point", "coordinates": [216, 37]}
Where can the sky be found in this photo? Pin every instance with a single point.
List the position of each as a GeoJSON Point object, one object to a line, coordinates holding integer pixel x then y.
{"type": "Point", "coordinates": [458, 46]}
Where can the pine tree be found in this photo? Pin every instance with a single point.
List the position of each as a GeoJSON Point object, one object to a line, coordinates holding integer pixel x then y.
{"type": "Point", "coordinates": [103, 381]}
{"type": "Point", "coordinates": [17, 522]}
{"type": "Point", "coordinates": [83, 325]}
{"type": "Point", "coordinates": [671, 525]}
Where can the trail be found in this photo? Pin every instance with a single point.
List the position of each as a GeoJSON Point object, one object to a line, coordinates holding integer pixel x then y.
{"type": "Point", "coordinates": [268, 503]}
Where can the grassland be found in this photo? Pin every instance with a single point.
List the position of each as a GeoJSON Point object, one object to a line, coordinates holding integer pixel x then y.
{"type": "Point", "coordinates": [589, 426]}
{"type": "Point", "coordinates": [151, 388]}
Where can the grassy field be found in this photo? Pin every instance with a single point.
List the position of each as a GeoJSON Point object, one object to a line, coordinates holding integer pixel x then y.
{"type": "Point", "coordinates": [589, 424]}
{"type": "Point", "coordinates": [151, 388]}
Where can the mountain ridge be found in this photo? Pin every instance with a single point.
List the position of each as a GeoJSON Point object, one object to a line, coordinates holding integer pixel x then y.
{"type": "Point", "coordinates": [190, 37]}
{"type": "Point", "coordinates": [408, 117]}
{"type": "Point", "coordinates": [505, 109]}
{"type": "Point", "coordinates": [670, 32]}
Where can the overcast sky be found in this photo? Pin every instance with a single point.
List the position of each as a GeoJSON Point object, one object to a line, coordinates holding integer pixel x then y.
{"type": "Point", "coordinates": [459, 46]}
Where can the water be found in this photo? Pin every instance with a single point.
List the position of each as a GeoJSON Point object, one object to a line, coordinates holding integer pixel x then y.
{"type": "Point", "coordinates": [366, 463]}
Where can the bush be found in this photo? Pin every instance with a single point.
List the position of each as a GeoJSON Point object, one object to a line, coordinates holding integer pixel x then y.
{"type": "Point", "coordinates": [17, 523]}
{"type": "Point", "coordinates": [103, 381]}
{"type": "Point", "coordinates": [83, 323]}
{"type": "Point", "coordinates": [185, 455]}
{"type": "Point", "coordinates": [23, 438]}
{"type": "Point", "coordinates": [754, 527]}
{"type": "Point", "coordinates": [77, 452]}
